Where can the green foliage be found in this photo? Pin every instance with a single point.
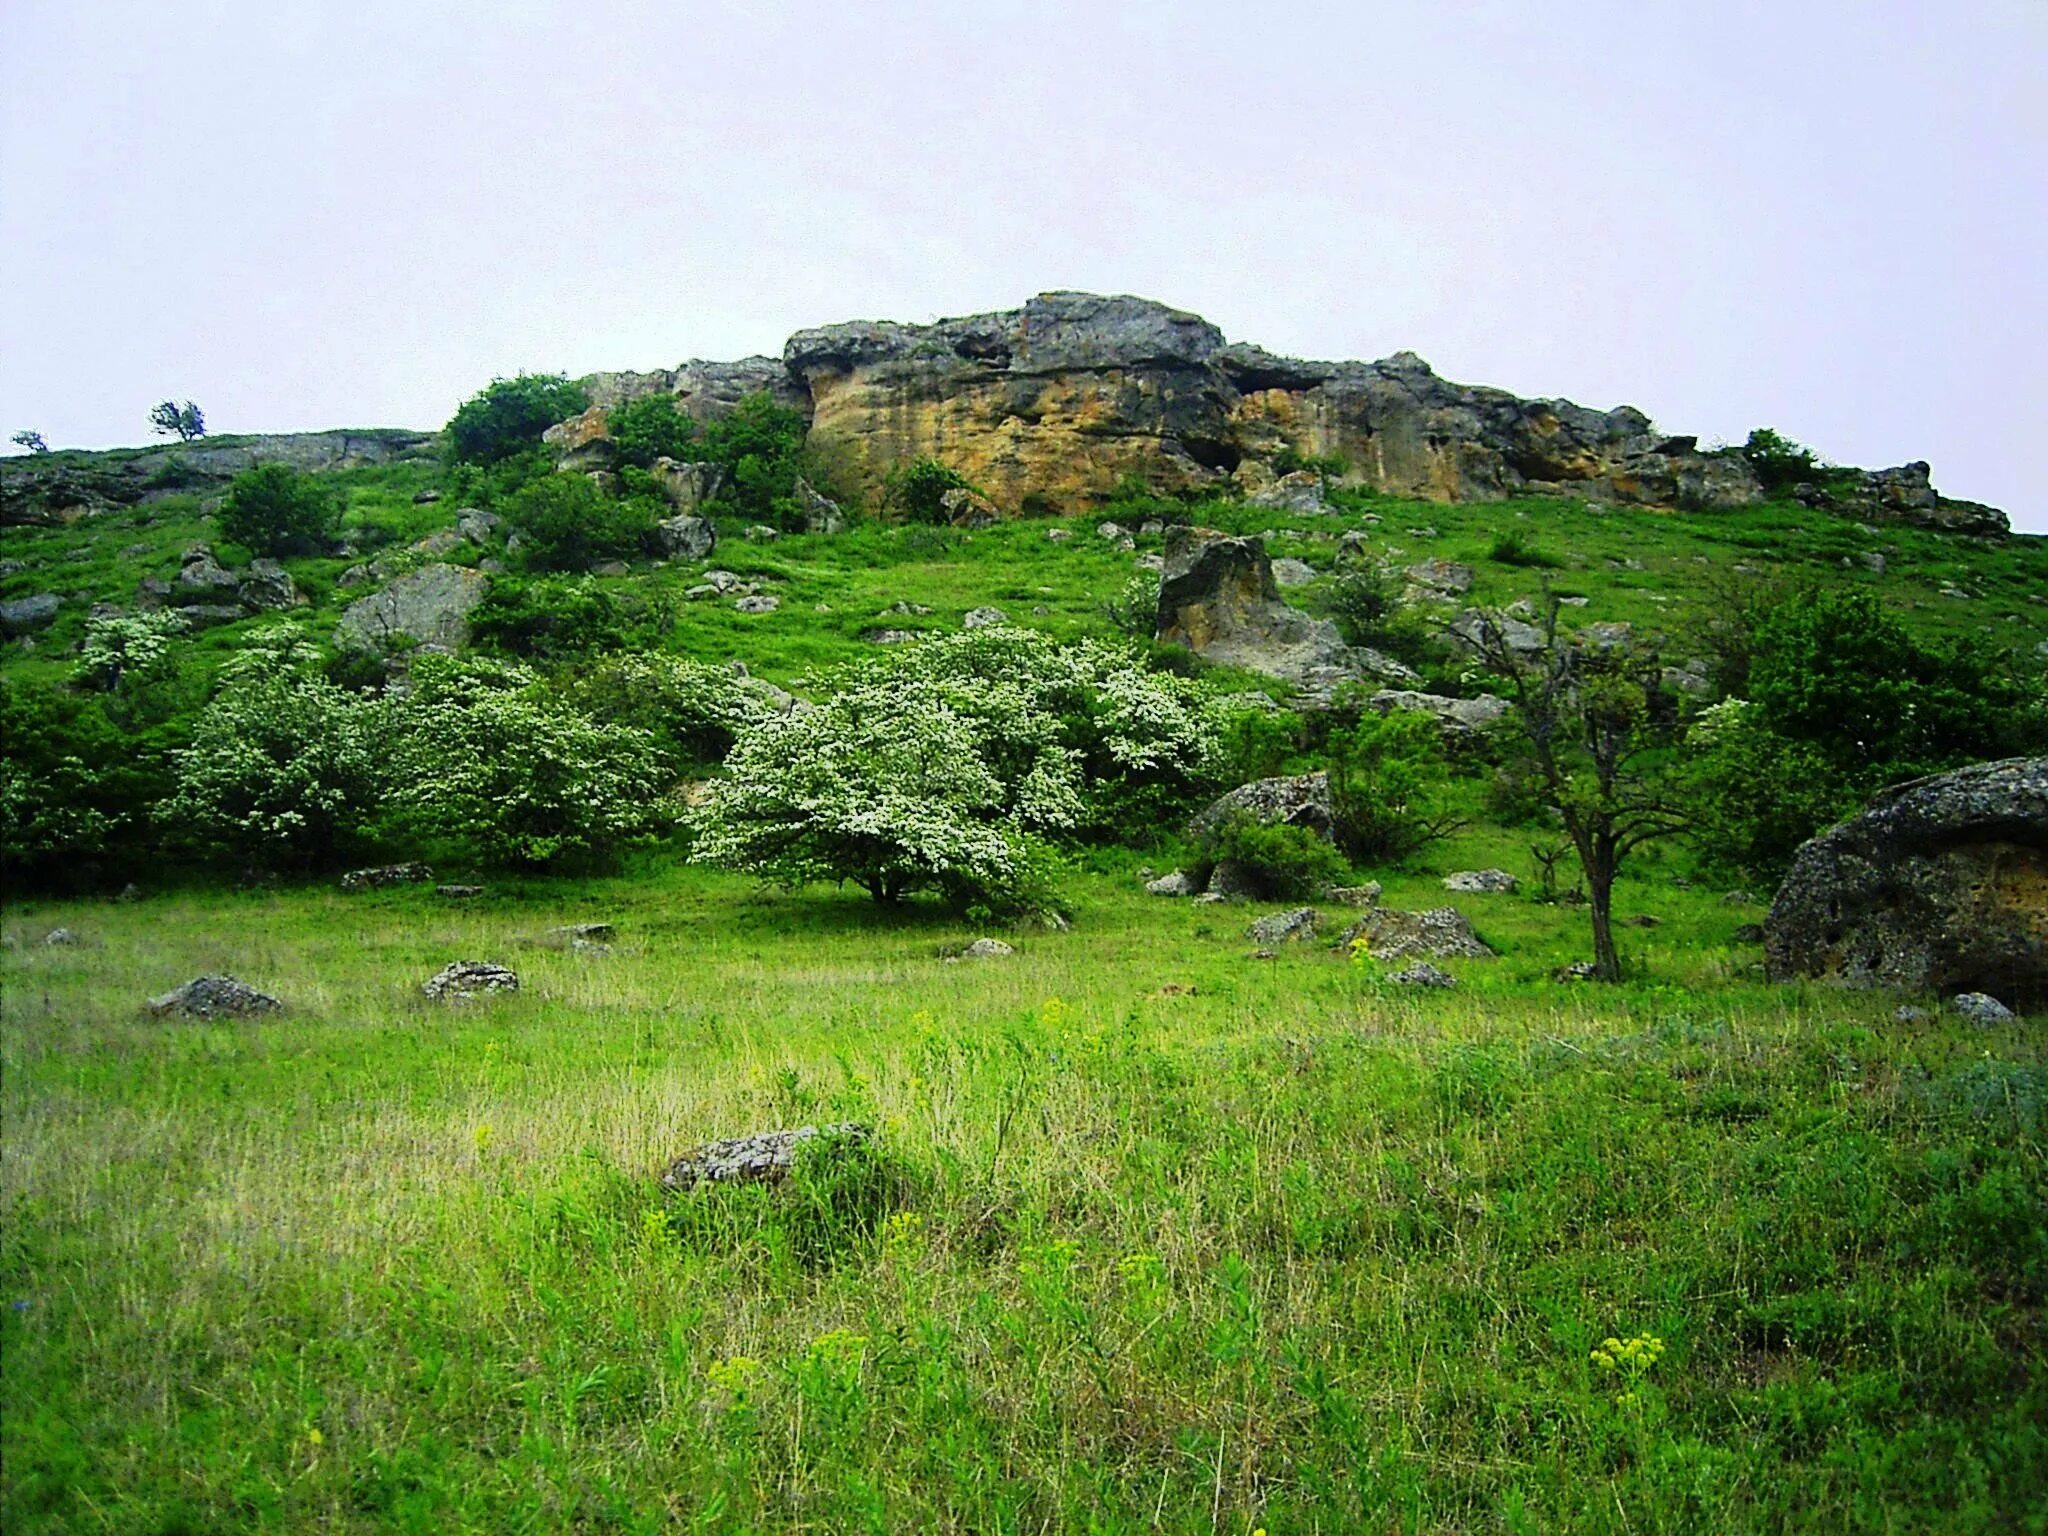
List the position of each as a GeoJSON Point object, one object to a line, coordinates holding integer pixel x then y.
{"type": "Point", "coordinates": [647, 429]}
{"type": "Point", "coordinates": [1512, 546]}
{"type": "Point", "coordinates": [690, 711]}
{"type": "Point", "coordinates": [563, 618]}
{"type": "Point", "coordinates": [31, 440]}
{"type": "Point", "coordinates": [1283, 862]}
{"type": "Point", "coordinates": [508, 416]}
{"type": "Point", "coordinates": [1779, 462]}
{"type": "Point", "coordinates": [167, 418]}
{"type": "Point", "coordinates": [77, 790]}
{"type": "Point", "coordinates": [489, 756]}
{"type": "Point", "coordinates": [285, 769]}
{"type": "Point", "coordinates": [1389, 787]}
{"type": "Point", "coordinates": [917, 490]}
{"type": "Point", "coordinates": [1366, 603]}
{"type": "Point", "coordinates": [760, 443]}
{"type": "Point", "coordinates": [273, 509]}
{"type": "Point", "coordinates": [1758, 795]}
{"type": "Point", "coordinates": [1288, 461]}
{"type": "Point", "coordinates": [565, 523]}
{"type": "Point", "coordinates": [126, 654]}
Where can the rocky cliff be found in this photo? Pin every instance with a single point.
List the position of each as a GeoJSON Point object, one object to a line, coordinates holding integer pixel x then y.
{"type": "Point", "coordinates": [1052, 405]}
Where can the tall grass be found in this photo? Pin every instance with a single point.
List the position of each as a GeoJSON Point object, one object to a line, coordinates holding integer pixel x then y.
{"type": "Point", "coordinates": [1156, 1235]}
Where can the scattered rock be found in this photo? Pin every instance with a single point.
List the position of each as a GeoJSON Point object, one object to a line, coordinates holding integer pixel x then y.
{"type": "Point", "coordinates": [722, 580]}
{"type": "Point", "coordinates": [1643, 920]}
{"type": "Point", "coordinates": [1391, 934]}
{"type": "Point", "coordinates": [386, 874]}
{"type": "Point", "coordinates": [1477, 881]}
{"type": "Point", "coordinates": [966, 508]}
{"type": "Point", "coordinates": [1228, 881]}
{"type": "Point", "coordinates": [1738, 899]}
{"type": "Point", "coordinates": [1117, 534]}
{"type": "Point", "coordinates": [1059, 535]}
{"type": "Point", "coordinates": [200, 575]}
{"type": "Point", "coordinates": [821, 512]}
{"type": "Point", "coordinates": [1422, 974]}
{"type": "Point", "coordinates": [458, 892]}
{"type": "Point", "coordinates": [477, 525]}
{"type": "Point", "coordinates": [983, 618]}
{"type": "Point", "coordinates": [26, 615]}
{"type": "Point", "coordinates": [1981, 1008]}
{"type": "Point", "coordinates": [685, 537]}
{"type": "Point", "coordinates": [1908, 1013]}
{"type": "Point", "coordinates": [1578, 970]}
{"type": "Point", "coordinates": [1366, 895]}
{"type": "Point", "coordinates": [268, 586]}
{"type": "Point", "coordinates": [1286, 573]}
{"type": "Point", "coordinates": [891, 636]}
{"type": "Point", "coordinates": [1439, 578]}
{"type": "Point", "coordinates": [765, 1158]}
{"type": "Point", "coordinates": [1300, 800]}
{"type": "Point", "coordinates": [1296, 926]}
{"type": "Point", "coordinates": [207, 997]}
{"type": "Point", "coordinates": [760, 604]}
{"type": "Point", "coordinates": [425, 498]}
{"type": "Point", "coordinates": [986, 949]}
{"type": "Point", "coordinates": [1937, 886]}
{"type": "Point", "coordinates": [761, 533]}
{"type": "Point", "coordinates": [1179, 883]}
{"type": "Point", "coordinates": [611, 568]}
{"type": "Point", "coordinates": [466, 979]}
{"type": "Point", "coordinates": [907, 608]}
{"type": "Point", "coordinates": [569, 935]}
{"type": "Point", "coordinates": [1459, 719]}
{"type": "Point", "coordinates": [1475, 628]}
{"type": "Point", "coordinates": [61, 937]}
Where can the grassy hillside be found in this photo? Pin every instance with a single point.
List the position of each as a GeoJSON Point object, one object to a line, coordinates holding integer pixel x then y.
{"type": "Point", "coordinates": [1156, 1233]}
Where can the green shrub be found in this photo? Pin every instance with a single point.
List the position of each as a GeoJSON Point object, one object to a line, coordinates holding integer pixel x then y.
{"type": "Point", "coordinates": [690, 710]}
{"type": "Point", "coordinates": [1288, 461]}
{"type": "Point", "coordinates": [1284, 862]}
{"type": "Point", "coordinates": [1511, 546]}
{"type": "Point", "coordinates": [563, 618]}
{"type": "Point", "coordinates": [1389, 787]}
{"type": "Point", "coordinates": [275, 510]}
{"type": "Point", "coordinates": [917, 491]}
{"type": "Point", "coordinates": [566, 523]}
{"type": "Point", "coordinates": [1366, 603]}
{"type": "Point", "coordinates": [77, 792]}
{"type": "Point", "coordinates": [1779, 462]}
{"type": "Point", "coordinates": [649, 428]}
{"type": "Point", "coordinates": [760, 443]}
{"type": "Point", "coordinates": [508, 416]}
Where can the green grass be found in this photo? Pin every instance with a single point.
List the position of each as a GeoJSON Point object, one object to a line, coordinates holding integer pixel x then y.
{"type": "Point", "coordinates": [1158, 1236]}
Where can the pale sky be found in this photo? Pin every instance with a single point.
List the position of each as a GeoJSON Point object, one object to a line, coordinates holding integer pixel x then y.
{"type": "Point", "coordinates": [1825, 216]}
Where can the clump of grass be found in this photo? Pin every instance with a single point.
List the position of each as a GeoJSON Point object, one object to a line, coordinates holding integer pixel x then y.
{"type": "Point", "coordinates": [1511, 546]}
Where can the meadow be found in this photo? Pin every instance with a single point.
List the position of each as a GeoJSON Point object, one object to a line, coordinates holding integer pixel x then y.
{"type": "Point", "coordinates": [1153, 1234]}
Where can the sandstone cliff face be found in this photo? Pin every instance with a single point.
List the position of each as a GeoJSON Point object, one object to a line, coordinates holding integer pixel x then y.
{"type": "Point", "coordinates": [1050, 406]}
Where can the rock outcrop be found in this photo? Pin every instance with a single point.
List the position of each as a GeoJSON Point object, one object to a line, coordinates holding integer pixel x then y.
{"type": "Point", "coordinates": [1300, 800]}
{"type": "Point", "coordinates": [428, 608]}
{"type": "Point", "coordinates": [206, 997]}
{"type": "Point", "coordinates": [1940, 885]}
{"type": "Point", "coordinates": [763, 1158]}
{"type": "Point", "coordinates": [1217, 597]}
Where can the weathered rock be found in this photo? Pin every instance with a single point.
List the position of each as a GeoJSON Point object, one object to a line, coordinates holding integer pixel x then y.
{"type": "Point", "coordinates": [1218, 598]}
{"type": "Point", "coordinates": [1460, 719]}
{"type": "Point", "coordinates": [1439, 578]}
{"type": "Point", "coordinates": [688, 487]}
{"type": "Point", "coordinates": [891, 636]}
{"type": "Point", "coordinates": [685, 537]}
{"type": "Point", "coordinates": [765, 1158]}
{"type": "Point", "coordinates": [477, 525]}
{"type": "Point", "coordinates": [428, 608]}
{"type": "Point", "coordinates": [760, 603]}
{"type": "Point", "coordinates": [458, 892]}
{"type": "Point", "coordinates": [986, 949]}
{"type": "Point", "coordinates": [61, 938]}
{"type": "Point", "coordinates": [964, 507]}
{"type": "Point", "coordinates": [1178, 883]}
{"type": "Point", "coordinates": [1578, 970]}
{"type": "Point", "coordinates": [1297, 926]}
{"type": "Point", "coordinates": [1058, 535]}
{"type": "Point", "coordinates": [1302, 800]}
{"type": "Point", "coordinates": [268, 586]}
{"type": "Point", "coordinates": [1391, 934]}
{"type": "Point", "coordinates": [760, 533]}
{"type": "Point", "coordinates": [1981, 1008]}
{"type": "Point", "coordinates": [1366, 895]}
{"type": "Point", "coordinates": [1300, 493]}
{"type": "Point", "coordinates": [211, 615]}
{"type": "Point", "coordinates": [380, 875]}
{"type": "Point", "coordinates": [568, 935]}
{"type": "Point", "coordinates": [1910, 1013]}
{"type": "Point", "coordinates": [1286, 573]}
{"type": "Point", "coordinates": [1940, 885]}
{"type": "Point", "coordinates": [26, 615]}
{"type": "Point", "coordinates": [1489, 881]}
{"type": "Point", "coordinates": [1117, 534]}
{"type": "Point", "coordinates": [1474, 628]}
{"type": "Point", "coordinates": [467, 979]}
{"type": "Point", "coordinates": [207, 997]}
{"type": "Point", "coordinates": [582, 444]}
{"type": "Point", "coordinates": [1230, 881]}
{"type": "Point", "coordinates": [1906, 495]}
{"type": "Point", "coordinates": [821, 513]}
{"type": "Point", "coordinates": [1422, 974]}
{"type": "Point", "coordinates": [984, 618]}
{"type": "Point", "coordinates": [200, 576]}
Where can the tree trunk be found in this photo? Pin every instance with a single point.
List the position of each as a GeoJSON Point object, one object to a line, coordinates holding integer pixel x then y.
{"type": "Point", "coordinates": [1600, 906]}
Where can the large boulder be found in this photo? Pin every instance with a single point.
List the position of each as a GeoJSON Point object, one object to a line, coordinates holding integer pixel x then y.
{"type": "Point", "coordinates": [1217, 597]}
{"type": "Point", "coordinates": [26, 615]}
{"type": "Point", "coordinates": [429, 608]}
{"type": "Point", "coordinates": [688, 487]}
{"type": "Point", "coordinates": [1941, 885]}
{"type": "Point", "coordinates": [1300, 800]}
{"type": "Point", "coordinates": [1390, 934]}
{"type": "Point", "coordinates": [207, 997]}
{"type": "Point", "coordinates": [685, 537]}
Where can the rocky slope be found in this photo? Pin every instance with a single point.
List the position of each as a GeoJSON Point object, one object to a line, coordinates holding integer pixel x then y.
{"type": "Point", "coordinates": [1051, 405]}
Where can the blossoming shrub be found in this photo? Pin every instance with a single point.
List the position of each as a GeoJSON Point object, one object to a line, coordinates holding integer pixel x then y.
{"type": "Point", "coordinates": [691, 711]}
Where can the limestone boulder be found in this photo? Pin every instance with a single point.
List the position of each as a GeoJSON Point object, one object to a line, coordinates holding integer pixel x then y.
{"type": "Point", "coordinates": [1294, 927]}
{"type": "Point", "coordinates": [1217, 597]}
{"type": "Point", "coordinates": [429, 608]}
{"type": "Point", "coordinates": [206, 997]}
{"type": "Point", "coordinates": [688, 487]}
{"type": "Point", "coordinates": [763, 1158]}
{"type": "Point", "coordinates": [466, 980]}
{"type": "Point", "coordinates": [26, 615]}
{"type": "Point", "coordinates": [685, 537]}
{"type": "Point", "coordinates": [1391, 934]}
{"type": "Point", "coordinates": [1459, 719]}
{"type": "Point", "coordinates": [1300, 800]}
{"type": "Point", "coordinates": [1939, 885]}
{"type": "Point", "coordinates": [378, 876]}
{"type": "Point", "coordinates": [820, 512]}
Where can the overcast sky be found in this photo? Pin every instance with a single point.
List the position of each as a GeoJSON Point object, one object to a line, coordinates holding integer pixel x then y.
{"type": "Point", "coordinates": [1825, 216]}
